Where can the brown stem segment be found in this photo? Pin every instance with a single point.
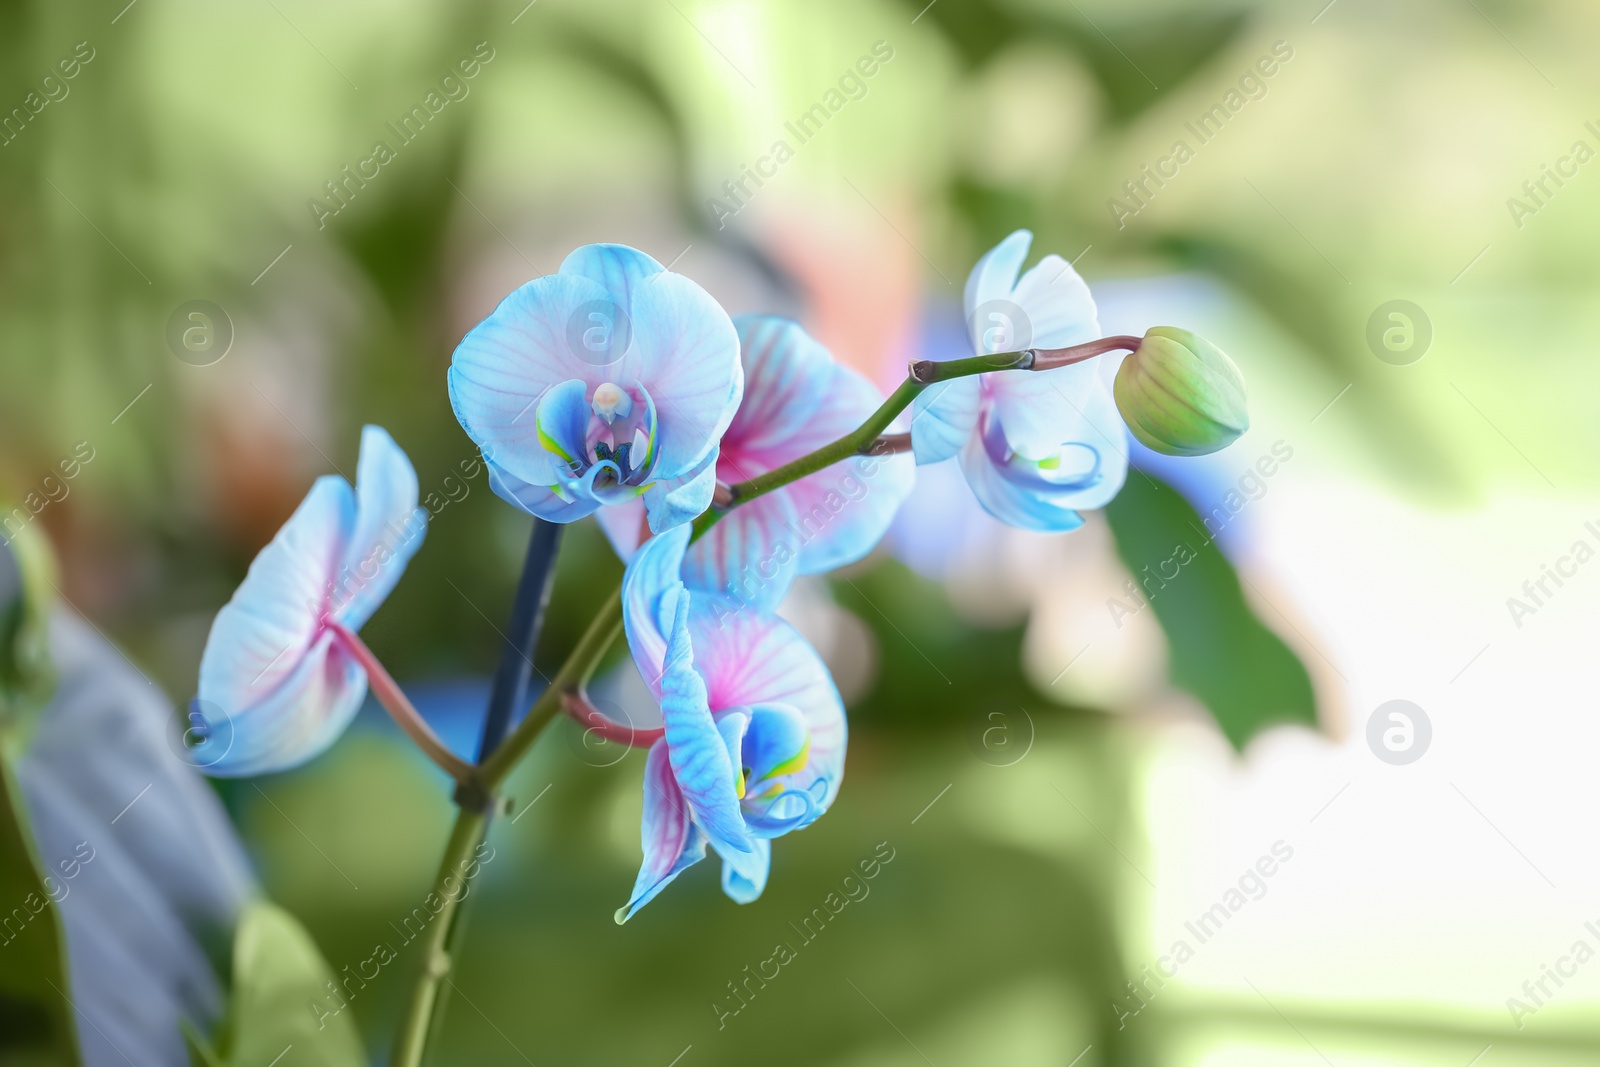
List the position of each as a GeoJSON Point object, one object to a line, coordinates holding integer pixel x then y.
{"type": "Point", "coordinates": [891, 444]}
{"type": "Point", "coordinates": [399, 706]}
{"type": "Point", "coordinates": [595, 721]}
{"type": "Point", "coordinates": [1051, 358]}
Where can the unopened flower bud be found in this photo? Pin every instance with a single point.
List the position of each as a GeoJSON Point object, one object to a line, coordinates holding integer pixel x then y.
{"type": "Point", "coordinates": [1180, 394]}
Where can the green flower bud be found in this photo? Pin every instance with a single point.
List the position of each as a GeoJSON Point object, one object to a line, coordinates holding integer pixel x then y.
{"type": "Point", "coordinates": [1180, 394]}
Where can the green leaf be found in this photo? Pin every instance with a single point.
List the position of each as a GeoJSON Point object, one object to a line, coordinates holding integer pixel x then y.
{"type": "Point", "coordinates": [35, 1019]}
{"type": "Point", "coordinates": [1221, 653]}
{"type": "Point", "coordinates": [36, 1023]}
{"type": "Point", "coordinates": [279, 982]}
{"type": "Point", "coordinates": [26, 676]}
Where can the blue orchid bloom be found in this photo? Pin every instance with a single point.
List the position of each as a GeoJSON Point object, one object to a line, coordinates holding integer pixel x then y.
{"type": "Point", "coordinates": [797, 398]}
{"type": "Point", "coordinates": [1035, 446]}
{"type": "Point", "coordinates": [754, 730]}
{"type": "Point", "coordinates": [278, 681]}
{"type": "Point", "coordinates": [609, 380]}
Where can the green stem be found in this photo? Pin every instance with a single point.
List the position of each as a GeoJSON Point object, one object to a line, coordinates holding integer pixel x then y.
{"type": "Point", "coordinates": [421, 1014]}
{"type": "Point", "coordinates": [591, 646]}
{"type": "Point", "coordinates": [863, 440]}
{"type": "Point", "coordinates": [472, 820]}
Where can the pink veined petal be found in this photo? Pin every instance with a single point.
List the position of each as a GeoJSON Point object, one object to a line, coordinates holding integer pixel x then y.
{"type": "Point", "coordinates": [798, 398]}
{"type": "Point", "coordinates": [698, 750]}
{"type": "Point", "coordinates": [752, 553]}
{"type": "Point", "coordinates": [688, 357]}
{"type": "Point", "coordinates": [259, 637]}
{"type": "Point", "coordinates": [993, 279]}
{"type": "Point", "coordinates": [749, 659]}
{"type": "Point", "coordinates": [843, 511]}
{"type": "Point", "coordinates": [670, 840]}
{"type": "Point", "coordinates": [389, 528]}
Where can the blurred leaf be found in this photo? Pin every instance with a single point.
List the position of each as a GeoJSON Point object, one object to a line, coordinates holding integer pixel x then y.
{"type": "Point", "coordinates": [201, 1054]}
{"type": "Point", "coordinates": [1221, 653]}
{"type": "Point", "coordinates": [35, 1026]}
{"type": "Point", "coordinates": [1303, 309]}
{"type": "Point", "coordinates": [277, 972]}
{"type": "Point", "coordinates": [1136, 64]}
{"type": "Point", "coordinates": [147, 874]}
{"type": "Point", "coordinates": [25, 674]}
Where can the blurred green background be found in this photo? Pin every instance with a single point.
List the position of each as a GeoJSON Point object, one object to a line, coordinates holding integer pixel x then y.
{"type": "Point", "coordinates": [181, 162]}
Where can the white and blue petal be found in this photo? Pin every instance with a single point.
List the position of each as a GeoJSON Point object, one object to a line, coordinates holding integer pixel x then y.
{"type": "Point", "coordinates": [697, 748]}
{"type": "Point", "coordinates": [505, 364]}
{"type": "Point", "coordinates": [548, 502]}
{"type": "Point", "coordinates": [389, 528]}
{"type": "Point", "coordinates": [672, 502]}
{"type": "Point", "coordinates": [1059, 308]}
{"type": "Point", "coordinates": [688, 358]}
{"type": "Point", "coordinates": [651, 589]}
{"type": "Point", "coordinates": [670, 839]}
{"type": "Point", "coordinates": [1015, 504]}
{"type": "Point", "coordinates": [618, 269]}
{"type": "Point", "coordinates": [943, 417]}
{"type": "Point", "coordinates": [258, 638]}
{"type": "Point", "coordinates": [744, 881]}
{"type": "Point", "coordinates": [993, 279]}
{"type": "Point", "coordinates": [280, 687]}
{"type": "Point", "coordinates": [561, 422]}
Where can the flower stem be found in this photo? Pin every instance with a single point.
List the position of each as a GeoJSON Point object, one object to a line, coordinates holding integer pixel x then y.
{"type": "Point", "coordinates": [1051, 358]}
{"type": "Point", "coordinates": [527, 616]}
{"type": "Point", "coordinates": [565, 691]}
{"type": "Point", "coordinates": [399, 706]}
{"type": "Point", "coordinates": [868, 438]}
{"type": "Point", "coordinates": [596, 722]}
{"type": "Point", "coordinates": [422, 1014]}
{"type": "Point", "coordinates": [591, 646]}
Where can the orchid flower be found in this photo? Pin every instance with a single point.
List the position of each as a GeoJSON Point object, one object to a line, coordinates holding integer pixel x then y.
{"type": "Point", "coordinates": [1035, 446]}
{"type": "Point", "coordinates": [283, 674]}
{"type": "Point", "coordinates": [796, 399]}
{"type": "Point", "coordinates": [608, 380]}
{"type": "Point", "coordinates": [753, 736]}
